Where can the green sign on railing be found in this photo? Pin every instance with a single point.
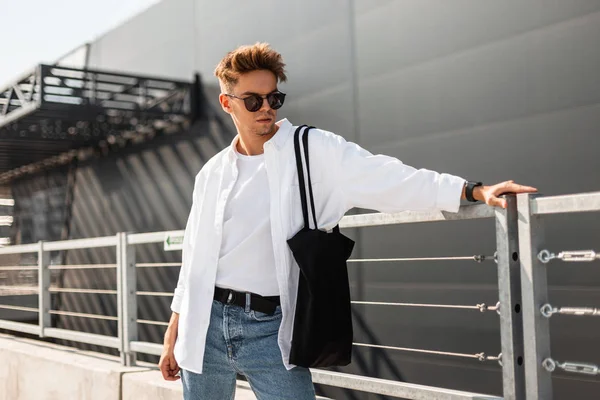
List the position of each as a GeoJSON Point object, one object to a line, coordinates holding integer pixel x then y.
{"type": "Point", "coordinates": [173, 240]}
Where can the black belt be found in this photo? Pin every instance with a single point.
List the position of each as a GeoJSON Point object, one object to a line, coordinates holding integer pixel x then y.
{"type": "Point", "coordinates": [264, 304]}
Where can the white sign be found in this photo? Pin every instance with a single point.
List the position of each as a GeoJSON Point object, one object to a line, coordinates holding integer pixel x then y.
{"type": "Point", "coordinates": [173, 240]}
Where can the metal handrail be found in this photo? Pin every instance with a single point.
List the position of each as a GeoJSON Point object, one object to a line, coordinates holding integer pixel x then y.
{"type": "Point", "coordinates": [572, 203]}
{"type": "Point", "coordinates": [158, 294]}
{"type": "Point", "coordinates": [82, 266]}
{"type": "Point", "coordinates": [393, 388]}
{"type": "Point", "coordinates": [78, 290]}
{"type": "Point", "coordinates": [73, 244]}
{"type": "Point", "coordinates": [19, 288]}
{"type": "Point", "coordinates": [19, 308]}
{"type": "Point", "coordinates": [83, 315]}
{"type": "Point", "coordinates": [20, 249]}
{"type": "Point", "coordinates": [17, 268]}
{"type": "Point", "coordinates": [157, 265]}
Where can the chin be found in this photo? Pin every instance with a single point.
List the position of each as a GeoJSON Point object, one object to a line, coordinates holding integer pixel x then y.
{"type": "Point", "coordinates": [265, 131]}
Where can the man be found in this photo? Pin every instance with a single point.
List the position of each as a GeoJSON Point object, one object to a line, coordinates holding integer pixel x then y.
{"type": "Point", "coordinates": [234, 303]}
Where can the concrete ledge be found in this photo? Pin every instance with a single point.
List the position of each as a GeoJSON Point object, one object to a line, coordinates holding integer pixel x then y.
{"type": "Point", "coordinates": [38, 370]}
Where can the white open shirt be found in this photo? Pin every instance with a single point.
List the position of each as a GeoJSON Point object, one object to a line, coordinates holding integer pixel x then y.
{"type": "Point", "coordinates": [344, 176]}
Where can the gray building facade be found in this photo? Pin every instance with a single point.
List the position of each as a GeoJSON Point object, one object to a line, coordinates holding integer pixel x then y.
{"type": "Point", "coordinates": [487, 90]}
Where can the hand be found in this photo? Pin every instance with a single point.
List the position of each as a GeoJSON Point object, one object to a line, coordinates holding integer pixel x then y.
{"type": "Point", "coordinates": [489, 194]}
{"type": "Point", "coordinates": [168, 366]}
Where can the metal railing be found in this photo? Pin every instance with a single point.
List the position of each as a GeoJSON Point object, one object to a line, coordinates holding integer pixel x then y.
{"type": "Point", "coordinates": [520, 258]}
{"type": "Point", "coordinates": [537, 309]}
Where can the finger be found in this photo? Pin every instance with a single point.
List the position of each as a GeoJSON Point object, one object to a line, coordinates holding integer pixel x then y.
{"type": "Point", "coordinates": [173, 374]}
{"type": "Point", "coordinates": [512, 188]}
{"type": "Point", "coordinates": [513, 184]}
{"type": "Point", "coordinates": [497, 202]}
{"type": "Point", "coordinates": [168, 375]}
{"type": "Point", "coordinates": [164, 373]}
{"type": "Point", "coordinates": [522, 188]}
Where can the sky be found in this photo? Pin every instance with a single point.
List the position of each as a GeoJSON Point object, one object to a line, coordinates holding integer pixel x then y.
{"type": "Point", "coordinates": [41, 31]}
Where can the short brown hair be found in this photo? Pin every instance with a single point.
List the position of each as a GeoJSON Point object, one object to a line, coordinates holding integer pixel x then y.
{"type": "Point", "coordinates": [246, 59]}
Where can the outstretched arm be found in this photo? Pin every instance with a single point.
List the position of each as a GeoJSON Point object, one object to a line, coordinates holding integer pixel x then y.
{"type": "Point", "coordinates": [385, 184]}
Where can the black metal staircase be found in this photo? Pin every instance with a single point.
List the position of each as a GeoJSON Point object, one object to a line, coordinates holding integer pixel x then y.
{"type": "Point", "coordinates": [55, 114]}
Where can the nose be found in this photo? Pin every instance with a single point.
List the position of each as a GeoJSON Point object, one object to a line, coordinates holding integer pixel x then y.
{"type": "Point", "coordinates": [264, 106]}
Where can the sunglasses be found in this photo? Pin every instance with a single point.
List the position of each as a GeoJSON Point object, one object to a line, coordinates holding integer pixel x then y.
{"type": "Point", "coordinates": [254, 101]}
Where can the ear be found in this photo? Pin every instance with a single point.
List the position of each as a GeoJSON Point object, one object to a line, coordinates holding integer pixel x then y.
{"type": "Point", "coordinates": [225, 104]}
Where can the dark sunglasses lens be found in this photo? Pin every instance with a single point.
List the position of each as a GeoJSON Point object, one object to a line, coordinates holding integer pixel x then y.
{"type": "Point", "coordinates": [253, 102]}
{"type": "Point", "coordinates": [275, 100]}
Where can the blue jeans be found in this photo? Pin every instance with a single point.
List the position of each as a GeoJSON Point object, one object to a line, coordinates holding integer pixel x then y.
{"type": "Point", "coordinates": [244, 342]}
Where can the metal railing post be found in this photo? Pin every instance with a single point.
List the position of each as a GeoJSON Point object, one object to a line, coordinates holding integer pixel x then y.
{"type": "Point", "coordinates": [509, 291]}
{"type": "Point", "coordinates": [534, 287]}
{"type": "Point", "coordinates": [41, 74]}
{"type": "Point", "coordinates": [119, 277]}
{"type": "Point", "coordinates": [127, 292]}
{"type": "Point", "coordinates": [44, 299]}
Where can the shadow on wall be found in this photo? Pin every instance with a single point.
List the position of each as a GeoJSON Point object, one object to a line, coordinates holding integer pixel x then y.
{"type": "Point", "coordinates": [141, 188]}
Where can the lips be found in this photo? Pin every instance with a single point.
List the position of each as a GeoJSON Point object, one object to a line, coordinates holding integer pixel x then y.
{"type": "Point", "coordinates": [264, 120]}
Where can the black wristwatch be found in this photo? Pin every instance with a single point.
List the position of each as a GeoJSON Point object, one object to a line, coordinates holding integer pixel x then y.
{"type": "Point", "coordinates": [469, 186]}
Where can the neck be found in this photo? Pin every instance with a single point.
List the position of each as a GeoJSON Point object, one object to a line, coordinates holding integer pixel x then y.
{"type": "Point", "coordinates": [251, 144]}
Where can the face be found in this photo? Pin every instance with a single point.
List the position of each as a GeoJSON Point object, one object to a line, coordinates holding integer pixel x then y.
{"type": "Point", "coordinates": [261, 122]}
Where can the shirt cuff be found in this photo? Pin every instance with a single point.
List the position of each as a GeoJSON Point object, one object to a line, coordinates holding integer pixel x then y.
{"type": "Point", "coordinates": [449, 192]}
{"type": "Point", "coordinates": [176, 302]}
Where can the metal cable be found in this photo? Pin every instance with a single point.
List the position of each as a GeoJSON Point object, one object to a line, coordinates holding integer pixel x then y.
{"type": "Point", "coordinates": [478, 356]}
{"type": "Point", "coordinates": [84, 315]}
{"type": "Point", "coordinates": [580, 368]}
{"type": "Point", "coordinates": [481, 307]}
{"type": "Point", "coordinates": [155, 265]}
{"type": "Point", "coordinates": [19, 308]}
{"type": "Point", "coordinates": [145, 321]}
{"type": "Point", "coordinates": [478, 258]}
{"type": "Point", "coordinates": [73, 290]}
{"type": "Point", "coordinates": [545, 256]}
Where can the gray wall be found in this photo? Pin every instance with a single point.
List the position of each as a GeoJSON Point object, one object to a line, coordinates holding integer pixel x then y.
{"type": "Point", "coordinates": [488, 90]}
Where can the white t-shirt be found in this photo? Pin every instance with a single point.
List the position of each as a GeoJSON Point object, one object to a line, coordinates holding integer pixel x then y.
{"type": "Point", "coordinates": [247, 260]}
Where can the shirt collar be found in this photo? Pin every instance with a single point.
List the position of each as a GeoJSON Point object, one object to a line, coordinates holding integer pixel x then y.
{"type": "Point", "coordinates": [279, 139]}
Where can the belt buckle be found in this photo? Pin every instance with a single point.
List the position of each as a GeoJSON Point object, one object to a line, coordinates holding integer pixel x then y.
{"type": "Point", "coordinates": [231, 297]}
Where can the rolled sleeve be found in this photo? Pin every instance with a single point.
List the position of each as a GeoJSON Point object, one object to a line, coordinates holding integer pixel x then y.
{"type": "Point", "coordinates": [177, 298]}
{"type": "Point", "coordinates": [449, 192]}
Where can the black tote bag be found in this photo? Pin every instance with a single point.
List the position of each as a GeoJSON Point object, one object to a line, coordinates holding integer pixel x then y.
{"type": "Point", "coordinates": [322, 332]}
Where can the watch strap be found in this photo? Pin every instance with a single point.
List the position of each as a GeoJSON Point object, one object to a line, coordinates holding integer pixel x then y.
{"type": "Point", "coordinates": [469, 186]}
